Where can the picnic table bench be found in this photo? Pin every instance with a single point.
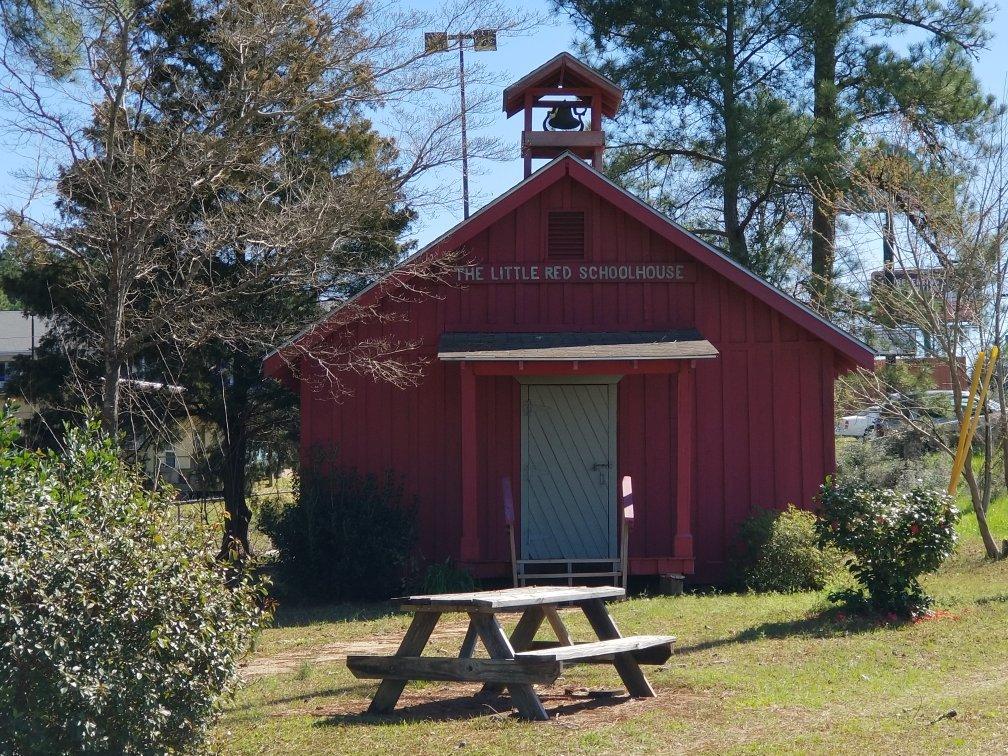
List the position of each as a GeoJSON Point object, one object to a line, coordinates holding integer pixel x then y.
{"type": "Point", "coordinates": [516, 662]}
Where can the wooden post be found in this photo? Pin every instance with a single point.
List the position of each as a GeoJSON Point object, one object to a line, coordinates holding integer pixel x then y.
{"type": "Point", "coordinates": [469, 642]}
{"type": "Point", "coordinates": [596, 125]}
{"type": "Point", "coordinates": [521, 639]}
{"type": "Point", "coordinates": [626, 664]}
{"type": "Point", "coordinates": [498, 646]}
{"type": "Point", "coordinates": [514, 557]}
{"type": "Point", "coordinates": [626, 517]}
{"type": "Point", "coordinates": [526, 153]}
{"type": "Point", "coordinates": [509, 517]}
{"type": "Point", "coordinates": [557, 623]}
{"type": "Point", "coordinates": [413, 643]}
{"type": "Point", "coordinates": [470, 511]}
{"type": "Point", "coordinates": [685, 443]}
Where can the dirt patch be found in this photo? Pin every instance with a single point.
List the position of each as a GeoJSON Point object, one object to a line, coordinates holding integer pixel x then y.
{"type": "Point", "coordinates": [457, 701]}
{"type": "Point", "coordinates": [446, 634]}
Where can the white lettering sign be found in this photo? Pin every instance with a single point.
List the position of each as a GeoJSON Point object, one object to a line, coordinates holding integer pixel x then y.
{"type": "Point", "coordinates": [578, 273]}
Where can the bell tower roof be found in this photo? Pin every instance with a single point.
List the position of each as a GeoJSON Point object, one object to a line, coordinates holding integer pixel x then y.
{"type": "Point", "coordinates": [571, 93]}
{"type": "Point", "coordinates": [563, 71]}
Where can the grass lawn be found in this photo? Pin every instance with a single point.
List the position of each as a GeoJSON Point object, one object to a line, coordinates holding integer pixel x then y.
{"type": "Point", "coordinates": [751, 674]}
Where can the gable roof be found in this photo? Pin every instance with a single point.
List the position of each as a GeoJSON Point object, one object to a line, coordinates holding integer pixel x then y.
{"type": "Point", "coordinates": [573, 73]}
{"type": "Point", "coordinates": [578, 346]}
{"type": "Point", "coordinates": [854, 350]}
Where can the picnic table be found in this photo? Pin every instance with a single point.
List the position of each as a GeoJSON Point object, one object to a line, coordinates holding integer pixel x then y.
{"type": "Point", "coordinates": [516, 662]}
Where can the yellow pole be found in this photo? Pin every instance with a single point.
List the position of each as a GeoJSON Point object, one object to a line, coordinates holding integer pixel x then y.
{"type": "Point", "coordinates": [984, 388]}
{"type": "Point", "coordinates": [971, 418]}
{"type": "Point", "coordinates": [967, 418]}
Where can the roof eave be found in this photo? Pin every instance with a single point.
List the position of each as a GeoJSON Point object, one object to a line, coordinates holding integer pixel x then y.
{"type": "Point", "coordinates": [856, 352]}
{"type": "Point", "coordinates": [274, 363]}
{"type": "Point", "coordinates": [612, 93]}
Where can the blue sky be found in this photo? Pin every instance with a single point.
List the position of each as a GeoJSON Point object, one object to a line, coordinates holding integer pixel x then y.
{"type": "Point", "coordinates": [517, 56]}
{"type": "Point", "coordinates": [514, 58]}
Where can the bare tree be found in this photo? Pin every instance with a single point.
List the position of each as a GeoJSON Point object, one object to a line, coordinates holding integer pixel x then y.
{"type": "Point", "coordinates": [161, 176]}
{"type": "Point", "coordinates": [216, 178]}
{"type": "Point", "coordinates": [945, 211]}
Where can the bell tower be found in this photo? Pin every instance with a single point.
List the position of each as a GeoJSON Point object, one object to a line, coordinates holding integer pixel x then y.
{"type": "Point", "coordinates": [573, 98]}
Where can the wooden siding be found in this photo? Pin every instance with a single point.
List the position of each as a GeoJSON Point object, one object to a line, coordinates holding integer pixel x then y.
{"type": "Point", "coordinates": [762, 409]}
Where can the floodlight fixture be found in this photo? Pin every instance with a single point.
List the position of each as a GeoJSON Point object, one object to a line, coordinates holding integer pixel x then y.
{"type": "Point", "coordinates": [484, 40]}
{"type": "Point", "coordinates": [435, 42]}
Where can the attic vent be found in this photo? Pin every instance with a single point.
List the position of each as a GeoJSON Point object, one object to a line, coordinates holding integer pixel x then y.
{"type": "Point", "coordinates": [566, 237]}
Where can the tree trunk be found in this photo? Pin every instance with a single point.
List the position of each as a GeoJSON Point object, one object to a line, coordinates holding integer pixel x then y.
{"type": "Point", "coordinates": [1004, 426]}
{"type": "Point", "coordinates": [735, 235]}
{"type": "Point", "coordinates": [110, 396]}
{"type": "Point", "coordinates": [235, 541]}
{"type": "Point", "coordinates": [825, 146]}
{"type": "Point", "coordinates": [976, 496]}
{"type": "Point", "coordinates": [112, 324]}
{"type": "Point", "coordinates": [737, 245]}
{"type": "Point", "coordinates": [823, 244]}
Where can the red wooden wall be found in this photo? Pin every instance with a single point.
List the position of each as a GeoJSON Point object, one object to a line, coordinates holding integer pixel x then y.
{"type": "Point", "coordinates": [763, 409]}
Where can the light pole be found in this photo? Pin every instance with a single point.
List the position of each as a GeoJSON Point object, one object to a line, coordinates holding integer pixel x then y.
{"type": "Point", "coordinates": [483, 40]}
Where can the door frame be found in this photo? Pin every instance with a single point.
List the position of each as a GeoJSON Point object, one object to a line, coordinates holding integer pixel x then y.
{"type": "Point", "coordinates": [609, 381]}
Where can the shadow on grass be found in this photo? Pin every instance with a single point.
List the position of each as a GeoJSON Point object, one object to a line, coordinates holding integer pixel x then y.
{"type": "Point", "coordinates": [363, 690]}
{"type": "Point", "coordinates": [471, 707]}
{"type": "Point", "coordinates": [829, 623]}
{"type": "Point", "coordinates": [998, 598]}
{"type": "Point", "coordinates": [294, 615]}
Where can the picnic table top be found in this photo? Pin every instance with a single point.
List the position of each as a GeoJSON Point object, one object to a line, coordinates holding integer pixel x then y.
{"type": "Point", "coordinates": [510, 598]}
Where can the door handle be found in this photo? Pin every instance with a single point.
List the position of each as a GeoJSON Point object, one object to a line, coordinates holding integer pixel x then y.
{"type": "Point", "coordinates": [600, 467]}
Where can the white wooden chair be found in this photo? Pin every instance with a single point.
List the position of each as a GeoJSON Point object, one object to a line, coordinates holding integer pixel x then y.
{"type": "Point", "coordinates": [525, 570]}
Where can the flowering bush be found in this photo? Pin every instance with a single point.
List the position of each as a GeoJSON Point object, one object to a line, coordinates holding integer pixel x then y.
{"type": "Point", "coordinates": [893, 537]}
{"type": "Point", "coordinates": [118, 633]}
{"type": "Point", "coordinates": [777, 551]}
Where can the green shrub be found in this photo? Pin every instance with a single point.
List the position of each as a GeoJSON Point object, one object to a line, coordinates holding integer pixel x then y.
{"type": "Point", "coordinates": [882, 463]}
{"type": "Point", "coordinates": [894, 537]}
{"type": "Point", "coordinates": [346, 537]}
{"type": "Point", "coordinates": [445, 577]}
{"type": "Point", "coordinates": [118, 632]}
{"type": "Point", "coordinates": [779, 551]}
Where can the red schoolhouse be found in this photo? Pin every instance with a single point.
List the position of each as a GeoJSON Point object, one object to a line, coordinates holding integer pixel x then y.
{"type": "Point", "coordinates": [586, 337]}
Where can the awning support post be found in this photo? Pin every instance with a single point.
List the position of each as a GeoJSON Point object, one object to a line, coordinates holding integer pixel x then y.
{"type": "Point", "coordinates": [685, 442]}
{"type": "Point", "coordinates": [470, 513]}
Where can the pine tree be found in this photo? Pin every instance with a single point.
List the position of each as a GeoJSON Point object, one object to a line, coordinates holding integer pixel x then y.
{"type": "Point", "coordinates": [861, 82]}
{"type": "Point", "coordinates": [252, 417]}
{"type": "Point", "coordinates": [764, 100]}
{"type": "Point", "coordinates": [709, 94]}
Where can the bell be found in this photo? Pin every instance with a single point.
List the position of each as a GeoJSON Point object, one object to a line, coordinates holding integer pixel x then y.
{"type": "Point", "coordinates": [564, 118]}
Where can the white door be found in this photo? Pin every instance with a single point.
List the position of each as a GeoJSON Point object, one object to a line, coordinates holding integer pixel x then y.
{"type": "Point", "coordinates": [568, 471]}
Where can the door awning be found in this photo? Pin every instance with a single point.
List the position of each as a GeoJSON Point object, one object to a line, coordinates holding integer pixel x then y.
{"type": "Point", "coordinates": [575, 346]}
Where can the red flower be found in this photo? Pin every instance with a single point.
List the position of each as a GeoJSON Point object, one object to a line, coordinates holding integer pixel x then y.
{"type": "Point", "coordinates": [914, 529]}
